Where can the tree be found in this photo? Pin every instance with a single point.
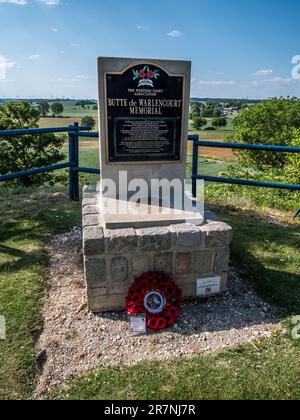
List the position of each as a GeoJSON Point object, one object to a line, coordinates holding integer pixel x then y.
{"type": "Point", "coordinates": [293, 160]}
{"type": "Point", "coordinates": [219, 122]}
{"type": "Point", "coordinates": [199, 122]}
{"type": "Point", "coordinates": [44, 108]}
{"type": "Point", "coordinates": [57, 109]}
{"type": "Point", "coordinates": [217, 112]}
{"type": "Point", "coordinates": [29, 151]}
{"type": "Point", "coordinates": [270, 122]}
{"type": "Point", "coordinates": [88, 121]}
{"type": "Point", "coordinates": [196, 108]}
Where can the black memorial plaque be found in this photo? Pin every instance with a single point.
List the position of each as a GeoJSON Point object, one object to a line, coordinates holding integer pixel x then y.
{"type": "Point", "coordinates": [144, 110]}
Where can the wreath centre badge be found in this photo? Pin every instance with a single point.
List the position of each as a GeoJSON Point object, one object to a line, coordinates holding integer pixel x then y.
{"type": "Point", "coordinates": [154, 302]}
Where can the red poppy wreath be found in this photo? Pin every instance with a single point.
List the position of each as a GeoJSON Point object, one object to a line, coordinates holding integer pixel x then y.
{"type": "Point", "coordinates": [156, 295]}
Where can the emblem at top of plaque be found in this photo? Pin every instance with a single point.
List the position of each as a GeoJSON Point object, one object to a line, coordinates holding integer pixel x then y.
{"type": "Point", "coordinates": [146, 76]}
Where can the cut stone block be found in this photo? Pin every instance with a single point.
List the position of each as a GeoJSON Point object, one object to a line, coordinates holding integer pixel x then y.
{"type": "Point", "coordinates": [163, 262]}
{"type": "Point", "coordinates": [119, 269]}
{"type": "Point", "coordinates": [219, 235]}
{"type": "Point", "coordinates": [89, 202]}
{"type": "Point", "coordinates": [154, 239]}
{"type": "Point", "coordinates": [97, 302]}
{"type": "Point", "coordinates": [140, 264]}
{"type": "Point", "coordinates": [95, 273]}
{"type": "Point", "coordinates": [188, 235]}
{"type": "Point", "coordinates": [222, 260]}
{"type": "Point", "coordinates": [93, 241]}
{"type": "Point", "coordinates": [90, 220]}
{"type": "Point", "coordinates": [203, 262]}
{"type": "Point", "coordinates": [90, 210]}
{"type": "Point", "coordinates": [183, 263]}
{"type": "Point", "coordinates": [122, 240]}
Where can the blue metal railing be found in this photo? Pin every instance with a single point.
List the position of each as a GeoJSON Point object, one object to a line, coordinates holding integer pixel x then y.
{"type": "Point", "coordinates": [75, 131]}
{"type": "Point", "coordinates": [238, 146]}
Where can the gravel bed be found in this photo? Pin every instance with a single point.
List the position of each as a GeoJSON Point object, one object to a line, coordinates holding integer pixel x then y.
{"type": "Point", "coordinates": [74, 341]}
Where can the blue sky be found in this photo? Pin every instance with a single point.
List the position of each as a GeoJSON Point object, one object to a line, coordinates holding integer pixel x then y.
{"type": "Point", "coordinates": [239, 48]}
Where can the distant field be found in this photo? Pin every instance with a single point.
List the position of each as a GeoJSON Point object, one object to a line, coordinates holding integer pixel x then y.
{"type": "Point", "coordinates": [229, 127]}
{"type": "Point", "coordinates": [78, 111]}
{"type": "Point", "coordinates": [89, 158]}
{"type": "Point", "coordinates": [62, 122]}
{"type": "Point", "coordinates": [74, 114]}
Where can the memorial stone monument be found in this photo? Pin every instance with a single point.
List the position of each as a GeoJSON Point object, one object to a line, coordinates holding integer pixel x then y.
{"type": "Point", "coordinates": [144, 115]}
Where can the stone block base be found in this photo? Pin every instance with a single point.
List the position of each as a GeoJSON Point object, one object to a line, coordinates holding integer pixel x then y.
{"type": "Point", "coordinates": [114, 258]}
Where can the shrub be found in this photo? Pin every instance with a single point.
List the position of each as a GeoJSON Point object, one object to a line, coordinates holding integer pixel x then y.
{"type": "Point", "coordinates": [261, 197]}
{"type": "Point", "coordinates": [88, 121]}
{"type": "Point", "coordinates": [270, 122]}
{"type": "Point", "coordinates": [29, 151]}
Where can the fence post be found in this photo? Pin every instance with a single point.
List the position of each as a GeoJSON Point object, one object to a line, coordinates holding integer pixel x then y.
{"type": "Point", "coordinates": [74, 163]}
{"type": "Point", "coordinates": [195, 167]}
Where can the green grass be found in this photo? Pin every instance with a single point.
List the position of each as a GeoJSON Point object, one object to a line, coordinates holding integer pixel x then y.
{"type": "Point", "coordinates": [269, 371]}
{"type": "Point", "coordinates": [27, 222]}
{"type": "Point", "coordinates": [266, 255]}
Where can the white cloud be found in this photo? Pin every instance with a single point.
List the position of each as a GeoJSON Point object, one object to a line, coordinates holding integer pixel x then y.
{"type": "Point", "coordinates": [24, 2]}
{"type": "Point", "coordinates": [263, 72]}
{"type": "Point", "coordinates": [83, 77]}
{"type": "Point", "coordinates": [279, 80]}
{"type": "Point", "coordinates": [175, 34]}
{"type": "Point", "coordinates": [49, 2]}
{"type": "Point", "coordinates": [19, 2]}
{"type": "Point", "coordinates": [5, 65]}
{"type": "Point", "coordinates": [54, 30]}
{"type": "Point", "coordinates": [71, 80]}
{"type": "Point", "coordinates": [213, 82]}
{"type": "Point", "coordinates": [143, 27]}
{"type": "Point", "coordinates": [34, 57]}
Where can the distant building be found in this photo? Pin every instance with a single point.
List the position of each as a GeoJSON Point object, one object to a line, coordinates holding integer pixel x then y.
{"type": "Point", "coordinates": [231, 111]}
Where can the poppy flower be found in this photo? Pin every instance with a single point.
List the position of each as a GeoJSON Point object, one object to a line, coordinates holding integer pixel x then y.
{"type": "Point", "coordinates": [150, 74]}
{"type": "Point", "coordinates": [163, 307]}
